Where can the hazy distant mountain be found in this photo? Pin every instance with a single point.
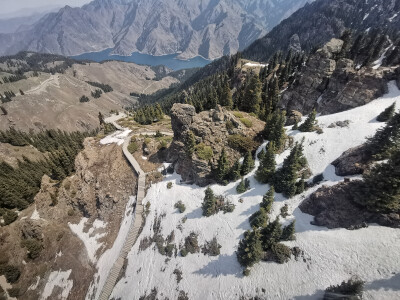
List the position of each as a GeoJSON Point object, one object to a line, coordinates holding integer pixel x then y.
{"type": "Point", "coordinates": [210, 28]}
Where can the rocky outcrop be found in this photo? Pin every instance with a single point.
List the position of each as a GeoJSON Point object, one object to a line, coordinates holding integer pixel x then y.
{"type": "Point", "coordinates": [332, 85]}
{"type": "Point", "coordinates": [333, 207]}
{"type": "Point", "coordinates": [352, 162]}
{"type": "Point", "coordinates": [211, 130]}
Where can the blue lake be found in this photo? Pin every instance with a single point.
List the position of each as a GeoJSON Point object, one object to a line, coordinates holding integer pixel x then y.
{"type": "Point", "coordinates": [169, 61]}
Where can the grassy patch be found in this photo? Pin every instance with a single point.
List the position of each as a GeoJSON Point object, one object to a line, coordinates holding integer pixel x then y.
{"type": "Point", "coordinates": [246, 122]}
{"type": "Point", "coordinates": [241, 143]}
{"type": "Point", "coordinates": [238, 114]}
{"type": "Point", "coordinates": [204, 152]}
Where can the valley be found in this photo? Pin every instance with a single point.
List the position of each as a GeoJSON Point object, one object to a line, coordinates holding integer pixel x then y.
{"type": "Point", "coordinates": [209, 149]}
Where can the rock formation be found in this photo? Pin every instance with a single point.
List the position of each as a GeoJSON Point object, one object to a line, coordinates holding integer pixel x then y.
{"type": "Point", "coordinates": [332, 85]}
{"type": "Point", "coordinates": [211, 130]}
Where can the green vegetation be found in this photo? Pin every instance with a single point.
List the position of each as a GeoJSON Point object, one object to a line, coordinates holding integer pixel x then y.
{"type": "Point", "coordinates": [248, 164]}
{"type": "Point", "coordinates": [243, 186]}
{"type": "Point", "coordinates": [190, 143]}
{"type": "Point", "coordinates": [246, 122]}
{"type": "Point", "coordinates": [203, 152]}
{"type": "Point", "coordinates": [351, 289]}
{"type": "Point", "coordinates": [19, 185]}
{"type": "Point", "coordinates": [238, 114]}
{"type": "Point", "coordinates": [250, 248]}
{"type": "Point", "coordinates": [12, 273]}
{"type": "Point", "coordinates": [84, 99]}
{"type": "Point", "coordinates": [133, 145]}
{"type": "Point", "coordinates": [169, 185]}
{"type": "Point", "coordinates": [180, 206]}
{"type": "Point", "coordinates": [191, 245]}
{"type": "Point", "coordinates": [97, 93]}
{"type": "Point", "coordinates": [222, 169]}
{"type": "Point", "coordinates": [33, 246]}
{"type": "Point", "coordinates": [387, 114]}
{"type": "Point", "coordinates": [309, 123]}
{"type": "Point", "coordinates": [105, 87]}
{"type": "Point", "coordinates": [274, 130]}
{"type": "Point", "coordinates": [267, 167]}
{"type": "Point", "coordinates": [148, 114]}
{"type": "Point", "coordinates": [213, 204]}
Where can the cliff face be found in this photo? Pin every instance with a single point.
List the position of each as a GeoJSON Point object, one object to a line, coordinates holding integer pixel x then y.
{"type": "Point", "coordinates": [211, 130]}
{"type": "Point", "coordinates": [99, 191]}
{"type": "Point", "coordinates": [332, 85]}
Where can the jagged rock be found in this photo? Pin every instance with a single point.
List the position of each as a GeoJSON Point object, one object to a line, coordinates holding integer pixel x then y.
{"type": "Point", "coordinates": [333, 207]}
{"type": "Point", "coordinates": [30, 229]}
{"type": "Point", "coordinates": [340, 124]}
{"type": "Point", "coordinates": [352, 162]}
{"type": "Point", "coordinates": [209, 128]}
{"type": "Point", "coordinates": [294, 43]}
{"type": "Point", "coordinates": [332, 86]}
{"type": "Point", "coordinates": [293, 117]}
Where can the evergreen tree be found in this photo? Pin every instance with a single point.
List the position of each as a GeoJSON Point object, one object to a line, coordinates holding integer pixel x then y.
{"type": "Point", "coordinates": [250, 248]}
{"type": "Point", "coordinates": [271, 234]}
{"type": "Point", "coordinates": [226, 98]}
{"type": "Point", "coordinates": [248, 163]}
{"type": "Point", "coordinates": [381, 188]}
{"type": "Point", "coordinates": [243, 186]}
{"type": "Point", "coordinates": [209, 203]}
{"type": "Point", "coordinates": [288, 233]}
{"type": "Point", "coordinates": [222, 167]}
{"type": "Point", "coordinates": [309, 123]}
{"type": "Point", "coordinates": [268, 200]}
{"type": "Point", "coordinates": [387, 113]}
{"type": "Point", "coordinates": [385, 139]}
{"type": "Point", "coordinates": [259, 218]}
{"type": "Point", "coordinates": [190, 143]}
{"type": "Point", "coordinates": [101, 118]}
{"type": "Point", "coordinates": [284, 211]}
{"type": "Point", "coordinates": [261, 154]}
{"type": "Point", "coordinates": [252, 95]}
{"type": "Point", "coordinates": [274, 130]}
{"type": "Point", "coordinates": [267, 166]}
{"type": "Point", "coordinates": [235, 171]}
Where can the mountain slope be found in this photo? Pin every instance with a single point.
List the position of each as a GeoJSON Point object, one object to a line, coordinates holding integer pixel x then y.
{"type": "Point", "coordinates": [318, 22]}
{"type": "Point", "coordinates": [210, 28]}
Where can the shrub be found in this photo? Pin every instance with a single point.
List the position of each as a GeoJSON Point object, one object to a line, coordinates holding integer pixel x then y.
{"type": "Point", "coordinates": [229, 125]}
{"type": "Point", "coordinates": [169, 185]}
{"type": "Point", "coordinates": [84, 99]}
{"type": "Point", "coordinates": [178, 274]}
{"type": "Point", "coordinates": [204, 152]}
{"type": "Point", "coordinates": [9, 216]}
{"type": "Point", "coordinates": [33, 246]}
{"type": "Point", "coordinates": [228, 207]}
{"type": "Point", "coordinates": [246, 272]}
{"type": "Point", "coordinates": [241, 143]}
{"type": "Point", "coordinates": [97, 93]}
{"type": "Point", "coordinates": [14, 292]}
{"type": "Point", "coordinates": [11, 273]}
{"type": "Point", "coordinates": [284, 211]}
{"type": "Point", "coordinates": [212, 248]}
{"type": "Point", "coordinates": [238, 114]}
{"type": "Point", "coordinates": [281, 253]}
{"type": "Point", "coordinates": [353, 287]}
{"type": "Point", "coordinates": [246, 122]}
{"type": "Point", "coordinates": [184, 252]}
{"type": "Point", "coordinates": [243, 186]}
{"type": "Point", "coordinates": [180, 206]}
{"type": "Point", "coordinates": [191, 244]}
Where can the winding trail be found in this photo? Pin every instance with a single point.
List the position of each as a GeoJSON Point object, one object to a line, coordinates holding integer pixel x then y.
{"type": "Point", "coordinates": [134, 230]}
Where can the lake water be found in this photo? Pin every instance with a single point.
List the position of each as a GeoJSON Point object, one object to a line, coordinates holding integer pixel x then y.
{"type": "Point", "coordinates": [169, 61]}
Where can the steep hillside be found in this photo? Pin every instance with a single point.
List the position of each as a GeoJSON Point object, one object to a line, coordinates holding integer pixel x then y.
{"type": "Point", "coordinates": [318, 22]}
{"type": "Point", "coordinates": [207, 28]}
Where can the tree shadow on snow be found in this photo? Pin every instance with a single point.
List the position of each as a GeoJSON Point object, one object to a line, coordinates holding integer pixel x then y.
{"type": "Point", "coordinates": [224, 265]}
{"type": "Point", "coordinates": [391, 284]}
{"type": "Point", "coordinates": [195, 214]}
{"type": "Point", "coordinates": [319, 294]}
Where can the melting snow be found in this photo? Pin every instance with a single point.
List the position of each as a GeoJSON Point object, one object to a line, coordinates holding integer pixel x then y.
{"type": "Point", "coordinates": [330, 256]}
{"type": "Point", "coordinates": [394, 16]}
{"type": "Point", "coordinates": [249, 64]}
{"type": "Point", "coordinates": [58, 279]}
{"type": "Point", "coordinates": [34, 285]}
{"type": "Point", "coordinates": [35, 215]}
{"type": "Point", "coordinates": [107, 260]}
{"type": "Point", "coordinates": [379, 61]}
{"type": "Point", "coordinates": [89, 238]}
{"type": "Point", "coordinates": [117, 137]}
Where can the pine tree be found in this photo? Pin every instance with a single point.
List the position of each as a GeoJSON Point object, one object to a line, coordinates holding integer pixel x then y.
{"type": "Point", "coordinates": [284, 211]}
{"type": "Point", "coordinates": [387, 113]}
{"type": "Point", "coordinates": [209, 203]}
{"type": "Point", "coordinates": [250, 248]}
{"type": "Point", "coordinates": [261, 154]}
{"type": "Point", "coordinates": [381, 188]}
{"type": "Point", "coordinates": [252, 96]}
{"type": "Point", "coordinates": [190, 143]}
{"type": "Point", "coordinates": [268, 200]}
{"type": "Point", "coordinates": [267, 166]}
{"type": "Point", "coordinates": [288, 233]}
{"type": "Point", "coordinates": [235, 171]}
{"type": "Point", "coordinates": [248, 163]}
{"type": "Point", "coordinates": [274, 130]}
{"type": "Point", "coordinates": [309, 123]}
{"type": "Point", "coordinates": [226, 98]}
{"type": "Point", "coordinates": [101, 118]}
{"type": "Point", "coordinates": [259, 218]}
{"type": "Point", "coordinates": [385, 139]}
{"type": "Point", "coordinates": [271, 234]}
{"type": "Point", "coordinates": [241, 188]}
{"type": "Point", "coordinates": [222, 167]}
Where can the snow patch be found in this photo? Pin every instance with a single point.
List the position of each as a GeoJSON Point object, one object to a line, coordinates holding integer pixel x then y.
{"type": "Point", "coordinates": [107, 259]}
{"type": "Point", "coordinates": [35, 215]}
{"type": "Point", "coordinates": [394, 16]}
{"type": "Point", "coordinates": [58, 279]}
{"type": "Point", "coordinates": [34, 286]}
{"type": "Point", "coordinates": [330, 256]}
{"type": "Point", "coordinates": [89, 238]}
{"type": "Point", "coordinates": [249, 64]}
{"type": "Point", "coordinates": [117, 137]}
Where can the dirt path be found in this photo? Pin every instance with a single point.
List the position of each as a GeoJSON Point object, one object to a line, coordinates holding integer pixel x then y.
{"type": "Point", "coordinates": [42, 87]}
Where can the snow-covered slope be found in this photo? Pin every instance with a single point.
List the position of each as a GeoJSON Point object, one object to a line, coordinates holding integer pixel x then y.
{"type": "Point", "coordinates": [330, 256]}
